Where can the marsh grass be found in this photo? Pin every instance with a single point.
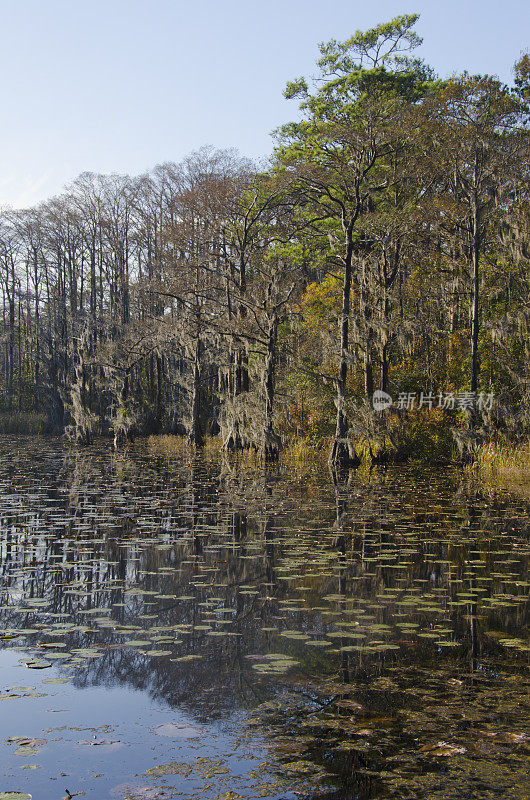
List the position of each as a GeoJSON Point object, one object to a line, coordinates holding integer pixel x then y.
{"type": "Point", "coordinates": [305, 458]}
{"type": "Point", "coordinates": [169, 446]}
{"type": "Point", "coordinates": [300, 457]}
{"type": "Point", "coordinates": [505, 467]}
{"type": "Point", "coordinates": [24, 423]}
{"type": "Point", "coordinates": [179, 447]}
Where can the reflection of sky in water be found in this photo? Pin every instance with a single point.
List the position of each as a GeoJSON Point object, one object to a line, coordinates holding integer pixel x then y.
{"type": "Point", "coordinates": [140, 732]}
{"type": "Point", "coordinates": [373, 629]}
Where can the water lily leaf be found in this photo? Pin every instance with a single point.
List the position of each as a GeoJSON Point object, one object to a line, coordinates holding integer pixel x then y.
{"type": "Point", "coordinates": [158, 652]}
{"type": "Point", "coordinates": [443, 749]}
{"type": "Point", "coordinates": [15, 796]}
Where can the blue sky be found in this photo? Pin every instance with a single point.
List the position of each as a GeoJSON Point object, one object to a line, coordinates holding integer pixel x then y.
{"type": "Point", "coordinates": [121, 85]}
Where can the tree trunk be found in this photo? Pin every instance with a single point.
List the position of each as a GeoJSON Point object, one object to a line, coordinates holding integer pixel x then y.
{"type": "Point", "coordinates": [476, 288]}
{"type": "Point", "coordinates": [340, 456]}
{"type": "Point", "coordinates": [195, 435]}
{"type": "Point", "coordinates": [384, 367]}
{"type": "Point", "coordinates": [11, 351]}
{"type": "Point", "coordinates": [368, 368]}
{"type": "Point", "coordinates": [122, 428]}
{"type": "Point", "coordinates": [159, 391]}
{"type": "Point", "coordinates": [11, 340]}
{"type": "Point", "coordinates": [271, 440]}
{"type": "Point", "coordinates": [368, 357]}
{"type": "Point", "coordinates": [37, 398]}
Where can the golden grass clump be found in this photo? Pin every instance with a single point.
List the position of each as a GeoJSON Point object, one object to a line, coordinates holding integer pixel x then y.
{"type": "Point", "coordinates": [171, 446]}
{"type": "Point", "coordinates": [505, 467]}
{"type": "Point", "coordinates": [305, 458]}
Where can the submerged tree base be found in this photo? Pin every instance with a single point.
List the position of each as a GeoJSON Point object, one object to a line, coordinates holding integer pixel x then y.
{"type": "Point", "coordinates": [343, 456]}
{"type": "Point", "coordinates": [272, 446]}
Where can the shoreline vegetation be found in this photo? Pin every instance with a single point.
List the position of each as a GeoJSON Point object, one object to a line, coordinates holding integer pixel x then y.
{"type": "Point", "coordinates": [382, 254]}
{"type": "Point", "coordinates": [502, 466]}
{"type": "Point", "coordinates": [497, 466]}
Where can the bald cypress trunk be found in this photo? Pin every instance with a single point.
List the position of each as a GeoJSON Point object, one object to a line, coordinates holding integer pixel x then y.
{"type": "Point", "coordinates": [272, 443]}
{"type": "Point", "coordinates": [476, 290]}
{"type": "Point", "coordinates": [195, 434]}
{"type": "Point", "coordinates": [340, 455]}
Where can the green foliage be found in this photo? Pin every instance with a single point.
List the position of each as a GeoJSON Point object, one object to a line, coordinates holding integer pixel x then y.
{"type": "Point", "coordinates": [522, 79]}
{"type": "Point", "coordinates": [385, 247]}
{"type": "Point", "coordinates": [425, 436]}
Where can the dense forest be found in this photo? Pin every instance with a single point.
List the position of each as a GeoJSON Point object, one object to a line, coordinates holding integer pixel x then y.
{"type": "Point", "coordinates": [384, 249]}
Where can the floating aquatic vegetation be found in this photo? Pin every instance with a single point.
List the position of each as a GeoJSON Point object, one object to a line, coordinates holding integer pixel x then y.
{"type": "Point", "coordinates": [15, 796]}
{"type": "Point", "coordinates": [377, 614]}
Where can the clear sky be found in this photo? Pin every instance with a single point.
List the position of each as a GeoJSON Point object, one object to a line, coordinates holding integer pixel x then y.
{"type": "Point", "coordinates": [121, 85]}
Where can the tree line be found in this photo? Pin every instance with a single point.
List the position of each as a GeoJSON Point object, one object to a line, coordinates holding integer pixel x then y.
{"type": "Point", "coordinates": [384, 248]}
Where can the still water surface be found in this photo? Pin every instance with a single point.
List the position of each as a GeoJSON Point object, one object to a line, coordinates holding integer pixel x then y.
{"type": "Point", "coordinates": [183, 628]}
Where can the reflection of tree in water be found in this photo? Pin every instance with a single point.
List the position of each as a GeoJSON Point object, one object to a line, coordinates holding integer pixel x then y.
{"type": "Point", "coordinates": [383, 558]}
{"type": "Point", "coordinates": [365, 722]}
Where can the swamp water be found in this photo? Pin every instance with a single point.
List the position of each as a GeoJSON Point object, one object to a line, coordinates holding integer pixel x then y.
{"type": "Point", "coordinates": [197, 630]}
